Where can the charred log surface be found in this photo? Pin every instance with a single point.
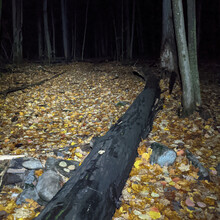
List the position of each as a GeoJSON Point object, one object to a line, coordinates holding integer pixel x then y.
{"type": "Point", "coordinates": [94, 191]}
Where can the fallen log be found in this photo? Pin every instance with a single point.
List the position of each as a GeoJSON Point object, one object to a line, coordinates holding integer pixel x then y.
{"type": "Point", "coordinates": [94, 191]}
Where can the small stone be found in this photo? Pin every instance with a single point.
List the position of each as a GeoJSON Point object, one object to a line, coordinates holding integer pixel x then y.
{"type": "Point", "coordinates": [63, 164]}
{"type": "Point", "coordinates": [66, 170]}
{"type": "Point", "coordinates": [201, 204]}
{"type": "Point", "coordinates": [189, 202]}
{"type": "Point", "coordinates": [32, 164]}
{"type": "Point", "coordinates": [72, 167]}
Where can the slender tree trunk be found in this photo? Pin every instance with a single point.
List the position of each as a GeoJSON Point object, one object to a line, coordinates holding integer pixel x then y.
{"type": "Point", "coordinates": [168, 54]}
{"type": "Point", "coordinates": [40, 43]}
{"type": "Point", "coordinates": [128, 34]}
{"type": "Point", "coordinates": [140, 29]}
{"type": "Point", "coordinates": [85, 29]}
{"type": "Point", "coordinates": [183, 56]}
{"type": "Point", "coordinates": [65, 29]}
{"type": "Point", "coordinates": [132, 31]}
{"type": "Point", "coordinates": [53, 33]}
{"type": "Point", "coordinates": [17, 13]}
{"type": "Point", "coordinates": [116, 40]}
{"type": "Point", "coordinates": [122, 30]}
{"type": "Point", "coordinates": [0, 13]}
{"type": "Point", "coordinates": [192, 48]}
{"type": "Point", "coordinates": [74, 35]}
{"type": "Point", "coordinates": [46, 32]}
{"type": "Point", "coordinates": [198, 19]}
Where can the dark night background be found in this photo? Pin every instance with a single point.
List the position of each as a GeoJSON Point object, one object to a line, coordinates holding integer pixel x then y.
{"type": "Point", "coordinates": [101, 16]}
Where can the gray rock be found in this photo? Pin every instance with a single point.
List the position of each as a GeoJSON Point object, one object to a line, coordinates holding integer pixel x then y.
{"type": "Point", "coordinates": [162, 155]}
{"type": "Point", "coordinates": [50, 163]}
{"type": "Point", "coordinates": [203, 172]}
{"type": "Point", "coordinates": [28, 193]}
{"type": "Point", "coordinates": [48, 185]}
{"type": "Point", "coordinates": [17, 163]}
{"type": "Point", "coordinates": [32, 164]}
{"type": "Point", "coordinates": [30, 177]}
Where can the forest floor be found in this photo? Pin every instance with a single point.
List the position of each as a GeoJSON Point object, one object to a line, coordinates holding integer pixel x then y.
{"type": "Point", "coordinates": [79, 101]}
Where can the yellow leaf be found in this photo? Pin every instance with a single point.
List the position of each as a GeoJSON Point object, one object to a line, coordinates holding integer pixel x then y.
{"type": "Point", "coordinates": [129, 189]}
{"type": "Point", "coordinates": [11, 206]}
{"type": "Point", "coordinates": [39, 172]}
{"type": "Point", "coordinates": [78, 155]}
{"type": "Point", "coordinates": [121, 209]}
{"type": "Point", "coordinates": [172, 183]}
{"type": "Point", "coordinates": [166, 129]}
{"type": "Point", "coordinates": [73, 143]}
{"type": "Point", "coordinates": [154, 215]}
{"type": "Point", "coordinates": [145, 156]}
{"type": "Point", "coordinates": [137, 163]}
{"type": "Point", "coordinates": [2, 207]}
{"type": "Point", "coordinates": [207, 127]}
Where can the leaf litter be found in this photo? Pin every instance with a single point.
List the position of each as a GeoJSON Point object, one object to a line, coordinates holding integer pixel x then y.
{"type": "Point", "coordinates": [83, 103]}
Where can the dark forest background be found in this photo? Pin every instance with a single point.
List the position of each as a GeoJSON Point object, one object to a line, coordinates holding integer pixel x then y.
{"type": "Point", "coordinates": [104, 28]}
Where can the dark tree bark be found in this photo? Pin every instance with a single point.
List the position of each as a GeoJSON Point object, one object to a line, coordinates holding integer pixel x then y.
{"type": "Point", "coordinates": [122, 30]}
{"type": "Point", "coordinates": [128, 34]}
{"type": "Point", "coordinates": [183, 57]}
{"type": "Point", "coordinates": [132, 32]}
{"type": "Point", "coordinates": [140, 30]}
{"type": "Point", "coordinates": [40, 35]}
{"type": "Point", "coordinates": [93, 192]}
{"type": "Point", "coordinates": [46, 32]}
{"type": "Point", "coordinates": [53, 35]}
{"type": "Point", "coordinates": [65, 29]}
{"type": "Point", "coordinates": [85, 29]}
{"type": "Point", "coordinates": [168, 53]}
{"type": "Point", "coordinates": [0, 13]}
{"type": "Point", "coordinates": [17, 13]}
{"type": "Point", "coordinates": [192, 48]}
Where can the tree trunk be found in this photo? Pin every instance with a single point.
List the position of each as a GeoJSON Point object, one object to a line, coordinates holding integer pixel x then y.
{"type": "Point", "coordinates": [0, 13]}
{"type": "Point", "coordinates": [192, 48]}
{"type": "Point", "coordinates": [93, 192]}
{"type": "Point", "coordinates": [85, 29]}
{"type": "Point", "coordinates": [183, 57]}
{"type": "Point", "coordinates": [74, 35]}
{"type": "Point", "coordinates": [198, 19]}
{"type": "Point", "coordinates": [116, 39]}
{"type": "Point", "coordinates": [46, 32]}
{"type": "Point", "coordinates": [17, 13]}
{"type": "Point", "coordinates": [168, 54]}
{"type": "Point", "coordinates": [132, 31]}
{"type": "Point", "coordinates": [128, 34]}
{"type": "Point", "coordinates": [122, 30]}
{"type": "Point", "coordinates": [39, 28]}
{"type": "Point", "coordinates": [140, 30]}
{"type": "Point", "coordinates": [53, 34]}
{"type": "Point", "coordinates": [65, 29]}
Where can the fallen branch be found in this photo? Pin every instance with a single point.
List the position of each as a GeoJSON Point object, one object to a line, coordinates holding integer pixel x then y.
{"type": "Point", "coordinates": [20, 88]}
